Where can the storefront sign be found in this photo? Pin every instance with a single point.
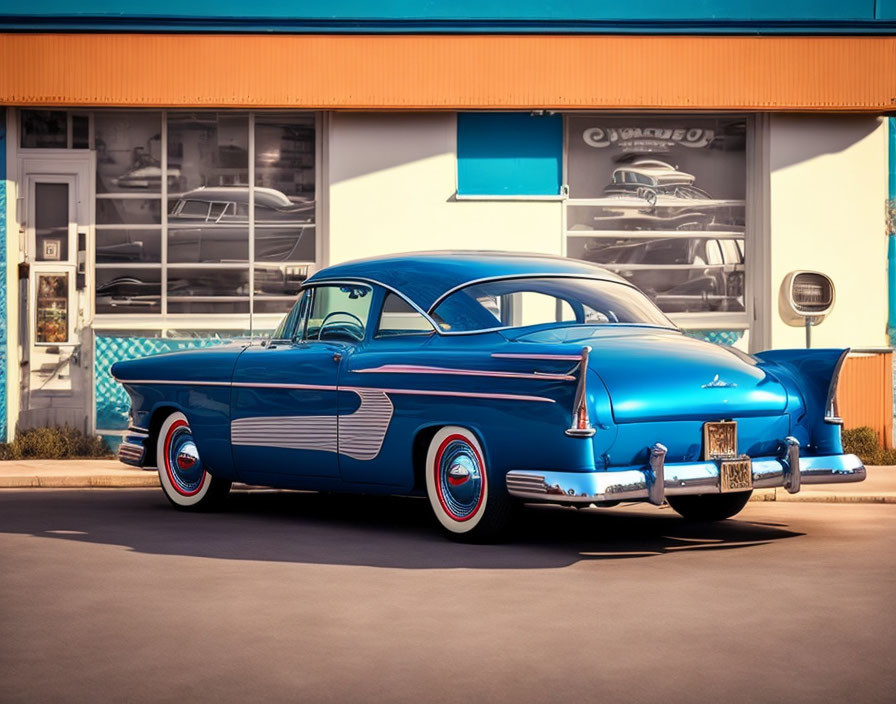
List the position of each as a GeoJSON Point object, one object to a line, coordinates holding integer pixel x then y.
{"type": "Point", "coordinates": [647, 138]}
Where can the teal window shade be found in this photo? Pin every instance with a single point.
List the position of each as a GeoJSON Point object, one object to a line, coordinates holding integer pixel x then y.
{"type": "Point", "coordinates": [509, 154]}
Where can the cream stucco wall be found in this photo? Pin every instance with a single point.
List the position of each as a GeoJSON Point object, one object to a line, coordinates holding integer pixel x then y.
{"type": "Point", "coordinates": [392, 189]}
{"type": "Point", "coordinates": [828, 180]}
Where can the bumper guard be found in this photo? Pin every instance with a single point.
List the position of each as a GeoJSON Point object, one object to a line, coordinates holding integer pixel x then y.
{"type": "Point", "coordinates": [659, 479]}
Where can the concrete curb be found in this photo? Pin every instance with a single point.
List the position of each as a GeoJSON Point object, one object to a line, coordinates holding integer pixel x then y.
{"type": "Point", "coordinates": [98, 481]}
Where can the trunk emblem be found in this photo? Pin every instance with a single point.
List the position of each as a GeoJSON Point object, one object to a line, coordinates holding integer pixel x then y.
{"type": "Point", "coordinates": [717, 383]}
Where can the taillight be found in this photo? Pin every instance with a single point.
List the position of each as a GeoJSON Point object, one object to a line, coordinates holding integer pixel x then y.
{"type": "Point", "coordinates": [581, 424]}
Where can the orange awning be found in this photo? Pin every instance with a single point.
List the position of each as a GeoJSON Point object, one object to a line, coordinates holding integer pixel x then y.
{"type": "Point", "coordinates": [450, 72]}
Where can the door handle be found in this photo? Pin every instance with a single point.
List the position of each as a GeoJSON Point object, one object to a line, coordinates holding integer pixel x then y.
{"type": "Point", "coordinates": [337, 357]}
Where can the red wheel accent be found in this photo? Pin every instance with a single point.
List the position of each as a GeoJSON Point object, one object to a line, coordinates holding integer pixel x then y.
{"type": "Point", "coordinates": [167, 459]}
{"type": "Point", "coordinates": [447, 441]}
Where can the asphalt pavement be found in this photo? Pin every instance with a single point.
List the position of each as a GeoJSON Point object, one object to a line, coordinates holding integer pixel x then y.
{"type": "Point", "coordinates": [112, 596]}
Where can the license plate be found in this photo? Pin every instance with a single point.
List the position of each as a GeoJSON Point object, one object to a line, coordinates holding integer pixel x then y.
{"type": "Point", "coordinates": [736, 475]}
{"type": "Point", "coordinates": [720, 440]}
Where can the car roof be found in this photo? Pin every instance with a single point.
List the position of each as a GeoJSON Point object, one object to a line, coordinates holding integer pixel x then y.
{"type": "Point", "coordinates": [424, 277]}
{"type": "Point", "coordinates": [269, 197]}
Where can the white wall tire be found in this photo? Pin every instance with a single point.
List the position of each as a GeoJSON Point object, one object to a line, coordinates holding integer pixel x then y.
{"type": "Point", "coordinates": [184, 479]}
{"type": "Point", "coordinates": [460, 490]}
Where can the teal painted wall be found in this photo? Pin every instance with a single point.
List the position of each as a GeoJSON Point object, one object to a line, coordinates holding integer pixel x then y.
{"type": "Point", "coordinates": [509, 153]}
{"type": "Point", "coordinates": [718, 10]}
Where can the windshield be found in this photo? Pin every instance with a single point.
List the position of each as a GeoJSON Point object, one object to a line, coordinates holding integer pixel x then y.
{"type": "Point", "coordinates": [533, 301]}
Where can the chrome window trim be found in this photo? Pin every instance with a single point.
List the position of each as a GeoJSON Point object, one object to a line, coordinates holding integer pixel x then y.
{"type": "Point", "coordinates": [368, 281]}
{"type": "Point", "coordinates": [474, 282]}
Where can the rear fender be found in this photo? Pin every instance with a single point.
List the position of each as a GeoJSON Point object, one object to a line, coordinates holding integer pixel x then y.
{"type": "Point", "coordinates": [814, 374]}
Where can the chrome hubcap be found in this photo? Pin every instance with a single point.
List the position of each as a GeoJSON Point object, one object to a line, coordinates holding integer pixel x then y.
{"type": "Point", "coordinates": [460, 479]}
{"type": "Point", "coordinates": [183, 460]}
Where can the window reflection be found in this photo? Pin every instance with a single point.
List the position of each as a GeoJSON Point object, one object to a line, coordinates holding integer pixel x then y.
{"type": "Point", "coordinates": [208, 149]}
{"type": "Point", "coordinates": [44, 129]}
{"type": "Point", "coordinates": [126, 246]}
{"type": "Point", "coordinates": [207, 221]}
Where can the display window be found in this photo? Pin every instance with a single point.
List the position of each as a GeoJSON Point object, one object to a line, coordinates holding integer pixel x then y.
{"type": "Point", "coordinates": [188, 201]}
{"type": "Point", "coordinates": [661, 202]}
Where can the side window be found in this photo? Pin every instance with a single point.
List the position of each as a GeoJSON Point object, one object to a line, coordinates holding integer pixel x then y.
{"type": "Point", "coordinates": [400, 318]}
{"type": "Point", "coordinates": [339, 312]}
{"type": "Point", "coordinates": [291, 325]}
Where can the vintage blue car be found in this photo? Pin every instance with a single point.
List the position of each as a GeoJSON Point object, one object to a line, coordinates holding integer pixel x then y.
{"type": "Point", "coordinates": [482, 380]}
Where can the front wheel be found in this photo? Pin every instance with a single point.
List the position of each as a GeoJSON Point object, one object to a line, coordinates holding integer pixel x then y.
{"type": "Point", "coordinates": [468, 503]}
{"type": "Point", "coordinates": [184, 479]}
{"type": "Point", "coordinates": [709, 507]}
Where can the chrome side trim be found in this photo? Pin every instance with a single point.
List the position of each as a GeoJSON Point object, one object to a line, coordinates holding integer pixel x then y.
{"type": "Point", "coordinates": [169, 382]}
{"type": "Point", "coordinates": [300, 387]}
{"type": "Point", "coordinates": [460, 394]}
{"type": "Point", "coordinates": [414, 369]}
{"type": "Point", "coordinates": [358, 435]}
{"type": "Point", "coordinates": [634, 483]}
{"type": "Point", "coordinates": [134, 430]}
{"type": "Point", "coordinates": [314, 387]}
{"type": "Point", "coordinates": [550, 357]}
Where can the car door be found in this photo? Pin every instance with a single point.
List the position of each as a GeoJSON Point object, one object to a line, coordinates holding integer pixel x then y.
{"type": "Point", "coordinates": [284, 402]}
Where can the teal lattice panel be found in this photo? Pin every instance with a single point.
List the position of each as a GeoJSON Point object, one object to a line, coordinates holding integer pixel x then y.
{"type": "Point", "coordinates": [720, 337]}
{"type": "Point", "coordinates": [112, 402]}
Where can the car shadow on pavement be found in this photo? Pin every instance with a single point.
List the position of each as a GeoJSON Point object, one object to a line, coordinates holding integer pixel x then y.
{"type": "Point", "coordinates": [300, 527]}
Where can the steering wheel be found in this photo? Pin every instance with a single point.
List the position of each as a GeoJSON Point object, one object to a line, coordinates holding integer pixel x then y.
{"type": "Point", "coordinates": [349, 328]}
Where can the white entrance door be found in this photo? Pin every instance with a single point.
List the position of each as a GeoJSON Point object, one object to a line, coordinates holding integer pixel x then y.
{"type": "Point", "coordinates": [56, 375]}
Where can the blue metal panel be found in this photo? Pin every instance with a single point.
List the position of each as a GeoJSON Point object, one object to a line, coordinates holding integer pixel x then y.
{"type": "Point", "coordinates": [389, 16]}
{"type": "Point", "coordinates": [509, 153]}
{"type": "Point", "coordinates": [3, 316]}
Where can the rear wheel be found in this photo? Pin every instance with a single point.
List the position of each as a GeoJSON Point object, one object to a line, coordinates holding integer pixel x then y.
{"type": "Point", "coordinates": [709, 507]}
{"type": "Point", "coordinates": [186, 482]}
{"type": "Point", "coordinates": [466, 500]}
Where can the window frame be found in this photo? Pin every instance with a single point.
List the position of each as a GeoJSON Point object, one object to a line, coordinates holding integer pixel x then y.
{"type": "Point", "coordinates": [257, 314]}
{"type": "Point", "coordinates": [384, 296]}
{"type": "Point", "coordinates": [752, 244]}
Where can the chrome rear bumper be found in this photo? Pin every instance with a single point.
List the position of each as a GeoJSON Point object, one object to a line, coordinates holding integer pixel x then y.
{"type": "Point", "coordinates": [659, 479]}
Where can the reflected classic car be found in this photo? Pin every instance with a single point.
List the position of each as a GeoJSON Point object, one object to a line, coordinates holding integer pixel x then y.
{"type": "Point", "coordinates": [649, 178]}
{"type": "Point", "coordinates": [712, 280]}
{"type": "Point", "coordinates": [481, 380]}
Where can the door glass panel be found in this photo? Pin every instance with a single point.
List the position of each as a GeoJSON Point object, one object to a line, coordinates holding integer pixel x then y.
{"type": "Point", "coordinates": [51, 221]}
{"type": "Point", "coordinates": [339, 312]}
{"type": "Point", "coordinates": [52, 308]}
{"type": "Point", "coordinates": [44, 129]}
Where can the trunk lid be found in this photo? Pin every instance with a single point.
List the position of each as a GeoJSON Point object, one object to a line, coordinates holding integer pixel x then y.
{"type": "Point", "coordinates": [654, 374]}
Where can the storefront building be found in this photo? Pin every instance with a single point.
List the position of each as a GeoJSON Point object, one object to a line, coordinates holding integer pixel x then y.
{"type": "Point", "coordinates": [169, 182]}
